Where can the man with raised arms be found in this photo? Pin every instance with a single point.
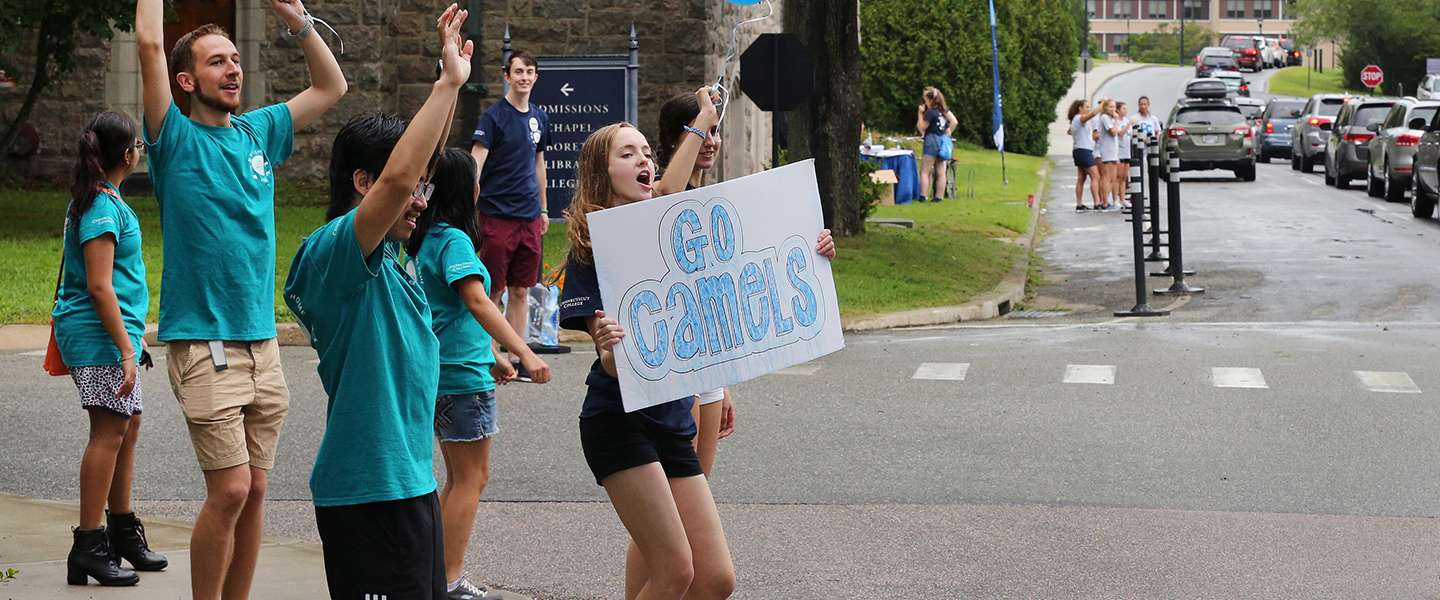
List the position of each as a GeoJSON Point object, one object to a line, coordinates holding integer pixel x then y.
{"type": "Point", "coordinates": [213, 179]}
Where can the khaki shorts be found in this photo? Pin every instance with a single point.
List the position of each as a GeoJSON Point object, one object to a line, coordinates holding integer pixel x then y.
{"type": "Point", "coordinates": [234, 415]}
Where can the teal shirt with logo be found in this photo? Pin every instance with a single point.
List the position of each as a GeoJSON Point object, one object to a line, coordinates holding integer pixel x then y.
{"type": "Point", "coordinates": [370, 324]}
{"type": "Point", "coordinates": [82, 340]}
{"type": "Point", "coordinates": [217, 215]}
{"type": "Point", "coordinates": [447, 256]}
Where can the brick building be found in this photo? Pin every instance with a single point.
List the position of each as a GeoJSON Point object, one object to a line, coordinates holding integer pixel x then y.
{"type": "Point", "coordinates": [389, 61]}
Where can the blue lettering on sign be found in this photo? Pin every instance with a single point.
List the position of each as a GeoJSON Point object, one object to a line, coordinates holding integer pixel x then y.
{"type": "Point", "coordinates": [721, 301]}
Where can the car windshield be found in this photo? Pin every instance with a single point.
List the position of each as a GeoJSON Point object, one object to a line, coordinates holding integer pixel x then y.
{"type": "Point", "coordinates": [1287, 44]}
{"type": "Point", "coordinates": [1373, 113]}
{"type": "Point", "coordinates": [1250, 111]}
{"type": "Point", "coordinates": [1282, 110]}
{"type": "Point", "coordinates": [1217, 61]}
{"type": "Point", "coordinates": [1330, 108]}
{"type": "Point", "coordinates": [1210, 115]}
{"type": "Point", "coordinates": [1240, 43]}
{"type": "Point", "coordinates": [1422, 113]}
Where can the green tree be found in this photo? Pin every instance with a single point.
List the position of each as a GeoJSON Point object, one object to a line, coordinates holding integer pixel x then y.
{"type": "Point", "coordinates": [946, 44]}
{"type": "Point", "coordinates": [1395, 36]}
{"type": "Point", "coordinates": [1162, 46]}
{"type": "Point", "coordinates": [54, 27]}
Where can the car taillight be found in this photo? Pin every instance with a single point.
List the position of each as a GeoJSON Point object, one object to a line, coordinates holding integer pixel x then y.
{"type": "Point", "coordinates": [1358, 138]}
{"type": "Point", "coordinates": [1269, 127]}
{"type": "Point", "coordinates": [1176, 132]}
{"type": "Point", "coordinates": [1408, 139]}
{"type": "Point", "coordinates": [1242, 131]}
{"type": "Point", "coordinates": [1197, 59]}
{"type": "Point", "coordinates": [1318, 120]}
{"type": "Point", "coordinates": [1250, 52]}
{"type": "Point", "coordinates": [1244, 88]}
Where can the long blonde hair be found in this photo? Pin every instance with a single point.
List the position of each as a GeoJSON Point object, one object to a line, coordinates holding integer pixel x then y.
{"type": "Point", "coordinates": [592, 189]}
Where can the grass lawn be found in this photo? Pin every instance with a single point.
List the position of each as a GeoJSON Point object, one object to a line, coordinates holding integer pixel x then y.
{"type": "Point", "coordinates": [1291, 81]}
{"type": "Point", "coordinates": [30, 243]}
{"type": "Point", "coordinates": [948, 258]}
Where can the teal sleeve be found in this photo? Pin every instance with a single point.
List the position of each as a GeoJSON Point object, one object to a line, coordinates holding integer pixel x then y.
{"type": "Point", "coordinates": [276, 130]}
{"type": "Point", "coordinates": [334, 256]}
{"type": "Point", "coordinates": [458, 260]}
{"type": "Point", "coordinates": [102, 218]}
{"type": "Point", "coordinates": [173, 128]}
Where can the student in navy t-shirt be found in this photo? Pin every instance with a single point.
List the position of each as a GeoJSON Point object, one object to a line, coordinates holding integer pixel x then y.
{"type": "Point", "coordinates": [509, 149]}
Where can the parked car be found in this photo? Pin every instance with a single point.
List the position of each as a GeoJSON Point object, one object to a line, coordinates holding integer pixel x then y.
{"type": "Point", "coordinates": [1206, 131]}
{"type": "Point", "coordinates": [1235, 81]}
{"type": "Point", "coordinates": [1247, 51]}
{"type": "Point", "coordinates": [1392, 151]}
{"type": "Point", "coordinates": [1429, 88]}
{"type": "Point", "coordinates": [1250, 108]}
{"type": "Point", "coordinates": [1272, 136]}
{"type": "Point", "coordinates": [1426, 176]}
{"type": "Point", "coordinates": [1270, 52]}
{"type": "Point", "coordinates": [1347, 150]}
{"type": "Point", "coordinates": [1293, 56]}
{"type": "Point", "coordinates": [1307, 140]}
{"type": "Point", "coordinates": [1207, 65]}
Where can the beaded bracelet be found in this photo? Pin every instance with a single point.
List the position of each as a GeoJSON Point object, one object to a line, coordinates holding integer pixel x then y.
{"type": "Point", "coordinates": [696, 131]}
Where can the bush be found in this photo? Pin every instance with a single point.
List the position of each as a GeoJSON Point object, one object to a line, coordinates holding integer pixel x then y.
{"type": "Point", "coordinates": [1162, 46]}
{"type": "Point", "coordinates": [946, 43]}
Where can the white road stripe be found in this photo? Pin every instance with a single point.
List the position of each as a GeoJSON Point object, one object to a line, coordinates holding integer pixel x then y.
{"type": "Point", "coordinates": [942, 371]}
{"type": "Point", "coordinates": [1388, 381]}
{"type": "Point", "coordinates": [801, 369]}
{"type": "Point", "coordinates": [1238, 377]}
{"type": "Point", "coordinates": [33, 353]}
{"type": "Point", "coordinates": [1102, 374]}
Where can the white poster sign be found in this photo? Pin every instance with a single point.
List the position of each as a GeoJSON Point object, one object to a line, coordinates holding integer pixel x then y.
{"type": "Point", "coordinates": [717, 285]}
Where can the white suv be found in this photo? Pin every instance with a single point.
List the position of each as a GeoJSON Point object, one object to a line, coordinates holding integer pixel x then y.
{"type": "Point", "coordinates": [1270, 52]}
{"type": "Point", "coordinates": [1429, 88]}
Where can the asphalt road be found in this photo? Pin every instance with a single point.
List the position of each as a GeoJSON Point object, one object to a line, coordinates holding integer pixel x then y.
{"type": "Point", "coordinates": [1272, 438]}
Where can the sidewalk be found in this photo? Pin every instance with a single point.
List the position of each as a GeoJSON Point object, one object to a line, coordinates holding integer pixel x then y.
{"type": "Point", "coordinates": [1060, 142]}
{"type": "Point", "coordinates": [35, 540]}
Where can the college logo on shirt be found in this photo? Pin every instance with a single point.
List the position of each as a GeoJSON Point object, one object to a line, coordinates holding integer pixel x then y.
{"type": "Point", "coordinates": [534, 131]}
{"type": "Point", "coordinates": [103, 221]}
{"type": "Point", "coordinates": [259, 167]}
{"type": "Point", "coordinates": [461, 266]}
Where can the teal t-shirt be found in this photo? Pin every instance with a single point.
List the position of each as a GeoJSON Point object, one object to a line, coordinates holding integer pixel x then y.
{"type": "Point", "coordinates": [83, 341]}
{"type": "Point", "coordinates": [217, 216]}
{"type": "Point", "coordinates": [370, 324]}
{"type": "Point", "coordinates": [448, 256]}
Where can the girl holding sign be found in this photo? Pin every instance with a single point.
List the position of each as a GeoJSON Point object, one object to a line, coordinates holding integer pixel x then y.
{"type": "Point", "coordinates": [644, 459]}
{"type": "Point", "coordinates": [442, 250]}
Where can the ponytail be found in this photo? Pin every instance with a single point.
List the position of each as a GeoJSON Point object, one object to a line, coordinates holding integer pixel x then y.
{"type": "Point", "coordinates": [101, 148]}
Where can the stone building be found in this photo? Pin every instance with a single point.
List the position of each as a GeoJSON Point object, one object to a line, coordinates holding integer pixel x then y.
{"type": "Point", "coordinates": [390, 49]}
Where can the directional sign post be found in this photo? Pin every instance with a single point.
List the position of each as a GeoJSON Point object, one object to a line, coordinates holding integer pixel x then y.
{"type": "Point", "coordinates": [1372, 76]}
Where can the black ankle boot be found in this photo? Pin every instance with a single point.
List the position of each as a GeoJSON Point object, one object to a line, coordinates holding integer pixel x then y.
{"type": "Point", "coordinates": [127, 536]}
{"type": "Point", "coordinates": [92, 556]}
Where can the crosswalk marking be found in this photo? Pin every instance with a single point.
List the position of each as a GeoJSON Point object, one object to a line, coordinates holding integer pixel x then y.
{"type": "Point", "coordinates": [801, 369]}
{"type": "Point", "coordinates": [1238, 377]}
{"type": "Point", "coordinates": [942, 371]}
{"type": "Point", "coordinates": [1102, 374]}
{"type": "Point", "coordinates": [33, 353]}
{"type": "Point", "coordinates": [1388, 381]}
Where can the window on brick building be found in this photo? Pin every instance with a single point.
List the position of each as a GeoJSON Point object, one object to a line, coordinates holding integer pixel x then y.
{"type": "Point", "coordinates": [1234, 9]}
{"type": "Point", "coordinates": [1155, 9]}
{"type": "Point", "coordinates": [1122, 8]}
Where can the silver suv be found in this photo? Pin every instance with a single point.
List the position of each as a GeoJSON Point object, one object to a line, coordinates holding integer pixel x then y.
{"type": "Point", "coordinates": [1392, 152]}
{"type": "Point", "coordinates": [1307, 139]}
{"type": "Point", "coordinates": [1209, 133]}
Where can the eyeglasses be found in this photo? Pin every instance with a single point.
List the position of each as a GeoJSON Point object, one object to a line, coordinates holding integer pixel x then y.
{"type": "Point", "coordinates": [423, 191]}
{"type": "Point", "coordinates": [139, 144]}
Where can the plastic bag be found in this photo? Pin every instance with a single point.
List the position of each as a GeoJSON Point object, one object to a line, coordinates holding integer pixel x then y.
{"type": "Point", "coordinates": [544, 326]}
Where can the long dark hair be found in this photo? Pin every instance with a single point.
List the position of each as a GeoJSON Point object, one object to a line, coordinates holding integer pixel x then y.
{"type": "Point", "coordinates": [675, 114]}
{"type": "Point", "coordinates": [453, 202]}
{"type": "Point", "coordinates": [102, 147]}
{"type": "Point", "coordinates": [363, 143]}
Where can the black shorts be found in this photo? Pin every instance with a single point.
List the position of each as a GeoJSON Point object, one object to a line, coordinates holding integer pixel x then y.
{"type": "Point", "coordinates": [391, 549]}
{"type": "Point", "coordinates": [615, 441]}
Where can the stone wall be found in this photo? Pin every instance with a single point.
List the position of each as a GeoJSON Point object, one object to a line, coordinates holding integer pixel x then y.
{"type": "Point", "coordinates": [389, 61]}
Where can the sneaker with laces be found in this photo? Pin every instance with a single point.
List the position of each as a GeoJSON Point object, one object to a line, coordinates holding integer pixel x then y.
{"type": "Point", "coordinates": [521, 373]}
{"type": "Point", "coordinates": [469, 591]}
{"type": "Point", "coordinates": [1081, 208]}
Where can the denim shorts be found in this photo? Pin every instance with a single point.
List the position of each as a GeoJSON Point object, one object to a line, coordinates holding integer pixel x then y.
{"type": "Point", "coordinates": [1084, 158]}
{"type": "Point", "coordinates": [465, 418]}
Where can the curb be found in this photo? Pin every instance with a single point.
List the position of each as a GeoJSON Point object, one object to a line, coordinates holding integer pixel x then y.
{"type": "Point", "coordinates": [1008, 293]}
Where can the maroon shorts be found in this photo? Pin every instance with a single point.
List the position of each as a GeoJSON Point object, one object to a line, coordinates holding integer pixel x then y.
{"type": "Point", "coordinates": [510, 251]}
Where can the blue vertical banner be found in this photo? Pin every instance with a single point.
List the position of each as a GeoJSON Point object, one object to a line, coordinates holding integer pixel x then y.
{"type": "Point", "coordinates": [997, 118]}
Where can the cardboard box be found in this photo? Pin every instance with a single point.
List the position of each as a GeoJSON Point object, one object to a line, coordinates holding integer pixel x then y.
{"type": "Point", "coordinates": [887, 177]}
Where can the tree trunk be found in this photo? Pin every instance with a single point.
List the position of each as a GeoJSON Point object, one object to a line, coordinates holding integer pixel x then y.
{"type": "Point", "coordinates": [827, 126]}
{"type": "Point", "coordinates": [38, 84]}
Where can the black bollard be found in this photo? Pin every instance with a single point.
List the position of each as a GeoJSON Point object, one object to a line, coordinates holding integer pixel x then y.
{"type": "Point", "coordinates": [1177, 259]}
{"type": "Point", "coordinates": [1137, 225]}
{"type": "Point", "coordinates": [1152, 160]}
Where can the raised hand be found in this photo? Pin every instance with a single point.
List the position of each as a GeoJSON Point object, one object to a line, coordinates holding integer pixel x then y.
{"type": "Point", "coordinates": [707, 99]}
{"type": "Point", "coordinates": [292, 11]}
{"type": "Point", "coordinates": [455, 54]}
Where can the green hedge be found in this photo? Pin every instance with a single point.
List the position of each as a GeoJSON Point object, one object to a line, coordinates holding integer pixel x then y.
{"type": "Point", "coordinates": [908, 45]}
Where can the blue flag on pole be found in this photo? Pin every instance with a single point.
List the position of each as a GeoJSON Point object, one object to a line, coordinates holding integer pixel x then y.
{"type": "Point", "coordinates": [997, 119]}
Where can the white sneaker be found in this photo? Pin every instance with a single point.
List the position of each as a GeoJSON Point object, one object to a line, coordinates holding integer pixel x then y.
{"type": "Point", "coordinates": [469, 591]}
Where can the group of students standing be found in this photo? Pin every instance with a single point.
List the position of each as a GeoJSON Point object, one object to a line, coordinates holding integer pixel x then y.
{"type": "Point", "coordinates": [397, 306]}
{"type": "Point", "coordinates": [1101, 148]}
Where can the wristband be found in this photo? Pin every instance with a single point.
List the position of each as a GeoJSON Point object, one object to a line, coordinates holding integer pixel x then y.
{"type": "Point", "coordinates": [696, 131]}
{"type": "Point", "coordinates": [304, 31]}
{"type": "Point", "coordinates": [127, 357]}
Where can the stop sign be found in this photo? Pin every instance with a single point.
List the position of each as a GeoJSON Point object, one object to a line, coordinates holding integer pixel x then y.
{"type": "Point", "coordinates": [1372, 76]}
